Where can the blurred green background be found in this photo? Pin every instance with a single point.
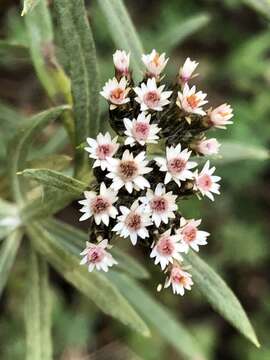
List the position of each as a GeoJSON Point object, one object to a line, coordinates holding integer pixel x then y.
{"type": "Point", "coordinates": [231, 40]}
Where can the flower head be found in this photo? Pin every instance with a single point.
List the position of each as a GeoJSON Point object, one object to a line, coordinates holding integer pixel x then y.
{"type": "Point", "coordinates": [176, 165]}
{"type": "Point", "coordinates": [95, 256]}
{"type": "Point", "coordinates": [99, 205]}
{"type": "Point", "coordinates": [191, 101]}
{"type": "Point", "coordinates": [159, 204]}
{"type": "Point", "coordinates": [154, 63]}
{"type": "Point", "coordinates": [152, 97]}
{"type": "Point", "coordinates": [206, 182]}
{"type": "Point", "coordinates": [166, 249]}
{"type": "Point", "coordinates": [208, 146]}
{"type": "Point", "coordinates": [133, 222]}
{"type": "Point", "coordinates": [129, 172]}
{"type": "Point", "coordinates": [220, 116]}
{"type": "Point", "coordinates": [121, 62]}
{"type": "Point", "coordinates": [140, 130]}
{"type": "Point", "coordinates": [102, 149]}
{"type": "Point", "coordinates": [116, 92]}
{"type": "Point", "coordinates": [180, 280]}
{"type": "Point", "coordinates": [190, 235]}
{"type": "Point", "coordinates": [186, 71]}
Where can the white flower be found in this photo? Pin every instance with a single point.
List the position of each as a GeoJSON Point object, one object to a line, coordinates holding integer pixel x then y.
{"type": "Point", "coordinates": [208, 146]}
{"type": "Point", "coordinates": [121, 62]}
{"type": "Point", "coordinates": [133, 222]}
{"type": "Point", "coordinates": [190, 235]}
{"type": "Point", "coordinates": [186, 71]}
{"type": "Point", "coordinates": [129, 172]}
{"type": "Point", "coordinates": [166, 249]}
{"type": "Point", "coordinates": [176, 165]}
{"type": "Point", "coordinates": [100, 206]}
{"type": "Point", "coordinates": [154, 63]}
{"type": "Point", "coordinates": [190, 101]}
{"type": "Point", "coordinates": [116, 92]}
{"type": "Point", "coordinates": [140, 130]}
{"type": "Point", "coordinates": [101, 149]}
{"type": "Point", "coordinates": [180, 280]}
{"type": "Point", "coordinates": [220, 116]}
{"type": "Point", "coordinates": [95, 256]}
{"type": "Point", "coordinates": [206, 182]}
{"type": "Point", "coordinates": [160, 204]}
{"type": "Point", "coordinates": [152, 97]}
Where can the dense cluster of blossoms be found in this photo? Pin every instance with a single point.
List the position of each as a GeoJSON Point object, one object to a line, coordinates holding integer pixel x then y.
{"type": "Point", "coordinates": [138, 192]}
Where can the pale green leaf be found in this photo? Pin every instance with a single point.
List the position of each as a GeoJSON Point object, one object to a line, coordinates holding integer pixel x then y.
{"type": "Point", "coordinates": [71, 235]}
{"type": "Point", "coordinates": [94, 285]}
{"type": "Point", "coordinates": [158, 316]}
{"type": "Point", "coordinates": [220, 296]}
{"type": "Point", "coordinates": [55, 179]}
{"type": "Point", "coordinates": [56, 162]}
{"type": "Point", "coordinates": [232, 152]}
{"type": "Point", "coordinates": [21, 143]}
{"type": "Point", "coordinates": [80, 50]}
{"type": "Point", "coordinates": [8, 252]}
{"type": "Point", "coordinates": [37, 311]}
{"type": "Point", "coordinates": [28, 5]}
{"type": "Point", "coordinates": [262, 6]}
{"type": "Point", "coordinates": [179, 32]}
{"type": "Point", "coordinates": [123, 32]}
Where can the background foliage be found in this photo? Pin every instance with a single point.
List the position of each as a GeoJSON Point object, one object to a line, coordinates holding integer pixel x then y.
{"type": "Point", "coordinates": [231, 41]}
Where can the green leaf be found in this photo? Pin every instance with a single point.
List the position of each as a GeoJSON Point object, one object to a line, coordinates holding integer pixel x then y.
{"type": "Point", "coordinates": [9, 218]}
{"type": "Point", "coordinates": [232, 152]}
{"type": "Point", "coordinates": [56, 180]}
{"type": "Point", "coordinates": [123, 32]}
{"type": "Point", "coordinates": [158, 316]}
{"type": "Point", "coordinates": [262, 6]}
{"type": "Point", "coordinates": [71, 235]}
{"type": "Point", "coordinates": [93, 285]}
{"type": "Point", "coordinates": [8, 254]}
{"type": "Point", "coordinates": [78, 39]}
{"type": "Point", "coordinates": [179, 32]}
{"type": "Point", "coordinates": [37, 312]}
{"type": "Point", "coordinates": [28, 6]}
{"type": "Point", "coordinates": [21, 143]}
{"type": "Point", "coordinates": [220, 296]}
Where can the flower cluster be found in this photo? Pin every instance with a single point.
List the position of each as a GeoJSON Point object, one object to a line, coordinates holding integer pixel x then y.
{"type": "Point", "coordinates": [144, 172]}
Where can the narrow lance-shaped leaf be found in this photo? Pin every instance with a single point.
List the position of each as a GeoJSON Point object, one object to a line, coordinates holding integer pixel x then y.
{"type": "Point", "coordinates": [179, 32]}
{"type": "Point", "coordinates": [93, 285]}
{"type": "Point", "coordinates": [71, 235]}
{"type": "Point", "coordinates": [158, 316]}
{"type": "Point", "coordinates": [40, 33]}
{"type": "Point", "coordinates": [123, 32]}
{"type": "Point", "coordinates": [21, 143]}
{"type": "Point", "coordinates": [55, 179]}
{"type": "Point", "coordinates": [37, 311]}
{"type": "Point", "coordinates": [220, 296]}
{"type": "Point", "coordinates": [82, 63]}
{"type": "Point", "coordinates": [8, 252]}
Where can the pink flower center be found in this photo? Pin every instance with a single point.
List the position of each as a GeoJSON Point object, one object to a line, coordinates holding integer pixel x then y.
{"type": "Point", "coordinates": [151, 99]}
{"type": "Point", "coordinates": [178, 278]}
{"type": "Point", "coordinates": [133, 221]}
{"type": "Point", "coordinates": [128, 170]}
{"type": "Point", "coordinates": [165, 246]}
{"type": "Point", "coordinates": [159, 204]}
{"type": "Point", "coordinates": [104, 151]}
{"type": "Point", "coordinates": [100, 205]}
{"type": "Point", "coordinates": [189, 233]}
{"type": "Point", "coordinates": [205, 182]}
{"type": "Point", "coordinates": [95, 255]}
{"type": "Point", "coordinates": [117, 95]}
{"type": "Point", "coordinates": [141, 130]}
{"type": "Point", "coordinates": [176, 165]}
{"type": "Point", "coordinates": [193, 101]}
